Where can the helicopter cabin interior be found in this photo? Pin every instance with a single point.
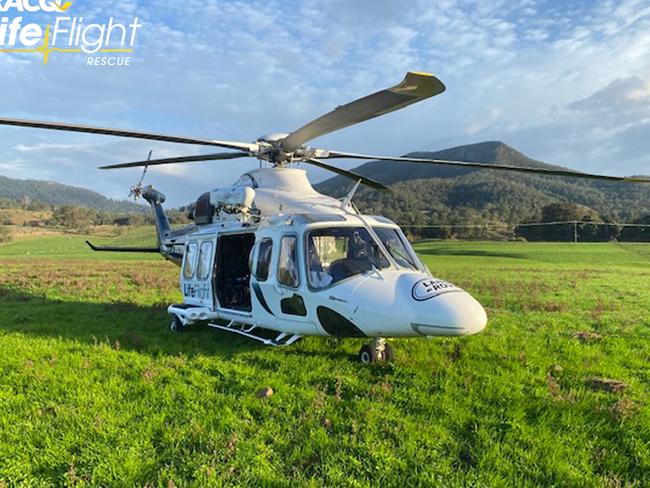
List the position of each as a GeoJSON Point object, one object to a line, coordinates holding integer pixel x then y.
{"type": "Point", "coordinates": [231, 271]}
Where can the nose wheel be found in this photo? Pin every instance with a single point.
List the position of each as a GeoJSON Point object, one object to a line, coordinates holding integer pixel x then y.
{"type": "Point", "coordinates": [176, 324]}
{"type": "Point", "coordinates": [377, 350]}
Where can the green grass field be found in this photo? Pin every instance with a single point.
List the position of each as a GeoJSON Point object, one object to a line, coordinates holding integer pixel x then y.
{"type": "Point", "coordinates": [95, 391]}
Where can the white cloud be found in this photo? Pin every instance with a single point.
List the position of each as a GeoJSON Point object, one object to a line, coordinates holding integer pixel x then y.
{"type": "Point", "coordinates": [43, 146]}
{"type": "Point", "coordinates": [533, 74]}
{"type": "Point", "coordinates": [622, 97]}
{"type": "Point", "coordinates": [12, 166]}
{"type": "Point", "coordinates": [486, 120]}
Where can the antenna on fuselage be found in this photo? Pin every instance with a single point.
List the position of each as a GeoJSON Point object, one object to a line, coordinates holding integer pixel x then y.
{"type": "Point", "coordinates": [347, 200]}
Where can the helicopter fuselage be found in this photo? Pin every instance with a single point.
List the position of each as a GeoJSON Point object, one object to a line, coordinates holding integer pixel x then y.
{"type": "Point", "coordinates": [292, 260]}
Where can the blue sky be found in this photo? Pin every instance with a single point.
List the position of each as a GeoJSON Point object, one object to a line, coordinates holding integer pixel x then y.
{"type": "Point", "coordinates": [564, 82]}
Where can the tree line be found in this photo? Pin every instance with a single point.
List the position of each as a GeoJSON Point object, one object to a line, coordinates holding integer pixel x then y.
{"type": "Point", "coordinates": [584, 224]}
{"type": "Point", "coordinates": [74, 217]}
{"type": "Point", "coordinates": [557, 222]}
{"type": "Point", "coordinates": [567, 222]}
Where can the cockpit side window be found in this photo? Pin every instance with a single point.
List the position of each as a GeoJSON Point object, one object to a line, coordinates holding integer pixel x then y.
{"type": "Point", "coordinates": [264, 253]}
{"type": "Point", "coordinates": [288, 262]}
{"type": "Point", "coordinates": [190, 260]}
{"type": "Point", "coordinates": [334, 254]}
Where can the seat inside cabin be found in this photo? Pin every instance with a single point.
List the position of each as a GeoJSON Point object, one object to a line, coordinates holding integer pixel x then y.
{"type": "Point", "coordinates": [232, 273]}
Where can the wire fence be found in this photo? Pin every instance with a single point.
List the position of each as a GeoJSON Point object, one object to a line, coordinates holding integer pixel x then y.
{"type": "Point", "coordinates": [575, 225]}
{"type": "Point", "coordinates": [525, 224]}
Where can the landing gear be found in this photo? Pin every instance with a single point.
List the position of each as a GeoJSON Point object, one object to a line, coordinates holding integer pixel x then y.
{"type": "Point", "coordinates": [176, 324]}
{"type": "Point", "coordinates": [389, 355]}
{"type": "Point", "coordinates": [377, 350]}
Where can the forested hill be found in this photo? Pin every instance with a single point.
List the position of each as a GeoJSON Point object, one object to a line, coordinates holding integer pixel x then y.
{"type": "Point", "coordinates": [52, 193]}
{"type": "Point", "coordinates": [430, 194]}
{"type": "Point", "coordinates": [423, 194]}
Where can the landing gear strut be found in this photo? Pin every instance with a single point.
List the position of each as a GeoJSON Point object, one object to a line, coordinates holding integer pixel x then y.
{"type": "Point", "coordinates": [377, 350]}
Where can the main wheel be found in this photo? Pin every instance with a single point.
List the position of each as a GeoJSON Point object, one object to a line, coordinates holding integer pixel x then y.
{"type": "Point", "coordinates": [367, 354]}
{"type": "Point", "coordinates": [389, 355]}
{"type": "Point", "coordinates": [176, 325]}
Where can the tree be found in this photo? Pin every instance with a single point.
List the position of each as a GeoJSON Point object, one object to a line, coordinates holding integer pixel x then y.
{"type": "Point", "coordinates": [102, 218]}
{"type": "Point", "coordinates": [637, 234]}
{"type": "Point", "coordinates": [565, 221]}
{"type": "Point", "coordinates": [134, 219]}
{"type": "Point", "coordinates": [72, 217]}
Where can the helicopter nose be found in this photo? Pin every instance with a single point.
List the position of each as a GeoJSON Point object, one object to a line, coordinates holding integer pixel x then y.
{"type": "Point", "coordinates": [408, 304]}
{"type": "Point", "coordinates": [452, 313]}
{"type": "Point", "coordinates": [444, 309]}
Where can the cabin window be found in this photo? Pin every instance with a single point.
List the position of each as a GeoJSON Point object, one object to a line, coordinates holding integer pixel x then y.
{"type": "Point", "coordinates": [205, 260]}
{"type": "Point", "coordinates": [190, 260]}
{"type": "Point", "coordinates": [398, 250]}
{"type": "Point", "coordinates": [263, 259]}
{"type": "Point", "coordinates": [288, 262]}
{"type": "Point", "coordinates": [335, 254]}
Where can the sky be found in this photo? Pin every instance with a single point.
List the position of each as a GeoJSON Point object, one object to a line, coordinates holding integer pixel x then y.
{"type": "Point", "coordinates": [565, 82]}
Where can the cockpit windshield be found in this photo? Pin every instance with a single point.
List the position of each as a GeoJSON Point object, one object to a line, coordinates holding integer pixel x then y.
{"type": "Point", "coordinates": [396, 245]}
{"type": "Point", "coordinates": [334, 254]}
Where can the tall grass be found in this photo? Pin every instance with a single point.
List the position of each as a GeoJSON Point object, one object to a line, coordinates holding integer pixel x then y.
{"type": "Point", "coordinates": [95, 391]}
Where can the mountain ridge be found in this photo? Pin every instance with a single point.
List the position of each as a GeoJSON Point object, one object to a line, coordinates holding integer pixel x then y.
{"type": "Point", "coordinates": [481, 152]}
{"type": "Point", "coordinates": [53, 193]}
{"type": "Point", "coordinates": [429, 194]}
{"type": "Point", "coordinates": [422, 193]}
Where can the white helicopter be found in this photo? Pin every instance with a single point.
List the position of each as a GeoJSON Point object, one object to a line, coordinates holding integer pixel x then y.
{"type": "Point", "coordinates": [271, 255]}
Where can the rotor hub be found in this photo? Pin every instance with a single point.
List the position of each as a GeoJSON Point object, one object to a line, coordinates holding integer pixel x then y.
{"type": "Point", "coordinates": [272, 151]}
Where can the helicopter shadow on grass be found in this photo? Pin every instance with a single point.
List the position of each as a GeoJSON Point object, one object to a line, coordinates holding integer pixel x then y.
{"type": "Point", "coordinates": [144, 329]}
{"type": "Point", "coordinates": [132, 328]}
{"type": "Point", "coordinates": [122, 325]}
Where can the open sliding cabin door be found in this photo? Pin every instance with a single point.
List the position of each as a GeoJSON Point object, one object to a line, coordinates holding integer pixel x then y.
{"type": "Point", "coordinates": [231, 277]}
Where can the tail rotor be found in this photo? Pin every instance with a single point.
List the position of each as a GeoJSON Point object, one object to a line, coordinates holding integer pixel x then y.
{"type": "Point", "coordinates": [136, 190]}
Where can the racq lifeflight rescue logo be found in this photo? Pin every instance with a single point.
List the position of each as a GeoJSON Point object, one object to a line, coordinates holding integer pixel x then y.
{"type": "Point", "coordinates": [102, 44]}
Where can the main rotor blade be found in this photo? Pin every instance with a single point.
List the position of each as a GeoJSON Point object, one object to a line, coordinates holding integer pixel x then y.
{"type": "Point", "coordinates": [501, 167]}
{"type": "Point", "coordinates": [179, 159]}
{"type": "Point", "coordinates": [414, 87]}
{"type": "Point", "coordinates": [125, 133]}
{"type": "Point", "coordinates": [350, 174]}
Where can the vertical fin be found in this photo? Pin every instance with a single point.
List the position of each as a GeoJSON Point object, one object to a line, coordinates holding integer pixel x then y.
{"type": "Point", "coordinates": [156, 199]}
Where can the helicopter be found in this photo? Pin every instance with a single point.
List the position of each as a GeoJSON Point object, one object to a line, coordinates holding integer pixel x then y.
{"type": "Point", "coordinates": [272, 259]}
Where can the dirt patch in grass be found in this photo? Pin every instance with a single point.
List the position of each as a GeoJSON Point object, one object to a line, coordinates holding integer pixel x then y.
{"type": "Point", "coordinates": [585, 336]}
{"type": "Point", "coordinates": [606, 384]}
{"type": "Point", "coordinates": [553, 382]}
{"type": "Point", "coordinates": [624, 408]}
